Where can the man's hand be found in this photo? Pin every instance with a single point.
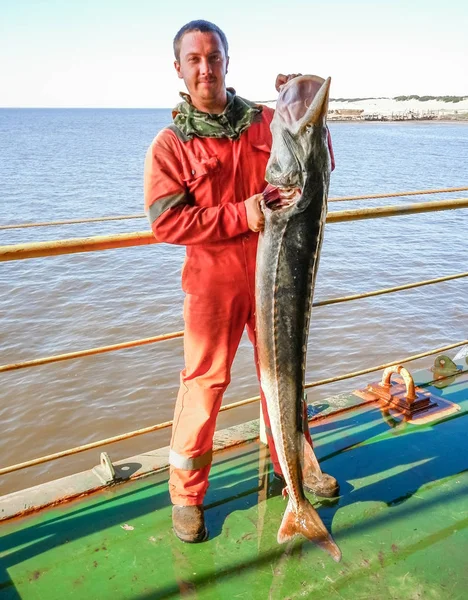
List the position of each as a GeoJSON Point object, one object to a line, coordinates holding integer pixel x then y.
{"type": "Point", "coordinates": [282, 79]}
{"type": "Point", "coordinates": [255, 218]}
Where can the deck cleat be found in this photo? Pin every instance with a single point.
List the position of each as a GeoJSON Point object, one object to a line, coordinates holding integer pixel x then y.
{"type": "Point", "coordinates": [401, 398]}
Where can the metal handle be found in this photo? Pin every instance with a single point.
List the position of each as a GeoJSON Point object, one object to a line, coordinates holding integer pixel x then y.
{"type": "Point", "coordinates": [407, 378]}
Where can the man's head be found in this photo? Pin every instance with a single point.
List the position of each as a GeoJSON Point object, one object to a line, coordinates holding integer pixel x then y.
{"type": "Point", "coordinates": [201, 53]}
{"type": "Point", "coordinates": [203, 27]}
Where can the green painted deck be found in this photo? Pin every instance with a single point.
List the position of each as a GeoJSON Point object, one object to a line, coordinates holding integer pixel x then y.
{"type": "Point", "coordinates": [401, 523]}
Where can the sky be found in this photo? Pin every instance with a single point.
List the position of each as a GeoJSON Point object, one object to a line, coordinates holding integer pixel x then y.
{"type": "Point", "coordinates": [118, 53]}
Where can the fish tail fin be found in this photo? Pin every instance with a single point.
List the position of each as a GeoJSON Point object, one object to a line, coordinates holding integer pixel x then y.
{"type": "Point", "coordinates": [306, 521]}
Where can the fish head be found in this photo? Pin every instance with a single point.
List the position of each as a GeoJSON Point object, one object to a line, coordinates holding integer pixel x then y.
{"type": "Point", "coordinates": [299, 150]}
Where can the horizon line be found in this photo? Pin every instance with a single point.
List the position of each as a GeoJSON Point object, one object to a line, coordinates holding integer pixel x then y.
{"type": "Point", "coordinates": [398, 98]}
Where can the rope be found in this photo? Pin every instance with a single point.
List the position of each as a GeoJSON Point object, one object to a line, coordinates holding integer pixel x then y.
{"type": "Point", "coordinates": [166, 424]}
{"type": "Point", "coordinates": [142, 215]}
{"type": "Point", "coordinates": [169, 336]}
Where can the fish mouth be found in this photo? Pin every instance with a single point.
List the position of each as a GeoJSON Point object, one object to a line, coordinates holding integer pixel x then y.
{"type": "Point", "coordinates": [279, 198]}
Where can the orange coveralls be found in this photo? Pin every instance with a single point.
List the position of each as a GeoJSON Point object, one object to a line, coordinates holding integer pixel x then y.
{"type": "Point", "coordinates": [194, 193]}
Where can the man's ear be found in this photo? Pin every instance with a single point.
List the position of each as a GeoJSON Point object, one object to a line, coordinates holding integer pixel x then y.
{"type": "Point", "coordinates": [227, 63]}
{"type": "Point", "coordinates": [177, 68]}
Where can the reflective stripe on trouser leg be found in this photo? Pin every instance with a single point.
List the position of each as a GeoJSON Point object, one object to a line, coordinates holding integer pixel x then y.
{"type": "Point", "coordinates": [213, 329]}
{"type": "Point", "coordinates": [190, 464]}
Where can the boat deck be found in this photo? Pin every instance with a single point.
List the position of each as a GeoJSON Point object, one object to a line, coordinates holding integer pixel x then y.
{"type": "Point", "coordinates": [401, 522]}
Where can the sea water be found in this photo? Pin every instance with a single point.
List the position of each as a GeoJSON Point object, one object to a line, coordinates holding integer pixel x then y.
{"type": "Point", "coordinates": [60, 164]}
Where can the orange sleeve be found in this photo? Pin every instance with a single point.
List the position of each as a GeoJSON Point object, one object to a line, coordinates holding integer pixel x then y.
{"type": "Point", "coordinates": [173, 216]}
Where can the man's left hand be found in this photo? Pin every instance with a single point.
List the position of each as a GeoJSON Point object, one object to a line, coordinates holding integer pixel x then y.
{"type": "Point", "coordinates": [282, 79]}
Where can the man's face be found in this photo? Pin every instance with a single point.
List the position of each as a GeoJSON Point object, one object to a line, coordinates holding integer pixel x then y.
{"type": "Point", "coordinates": [203, 66]}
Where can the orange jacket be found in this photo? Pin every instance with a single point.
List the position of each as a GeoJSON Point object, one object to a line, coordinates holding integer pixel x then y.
{"type": "Point", "coordinates": [194, 195]}
{"type": "Point", "coordinates": [195, 188]}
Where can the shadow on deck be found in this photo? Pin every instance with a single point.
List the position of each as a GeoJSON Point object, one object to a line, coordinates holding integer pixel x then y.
{"type": "Point", "coordinates": [401, 523]}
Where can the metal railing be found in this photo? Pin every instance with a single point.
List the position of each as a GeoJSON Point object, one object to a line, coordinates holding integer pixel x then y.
{"type": "Point", "coordinates": [142, 238]}
{"type": "Point", "coordinates": [132, 434]}
{"type": "Point", "coordinates": [143, 216]}
{"type": "Point", "coordinates": [24, 251]}
{"type": "Point", "coordinates": [178, 334]}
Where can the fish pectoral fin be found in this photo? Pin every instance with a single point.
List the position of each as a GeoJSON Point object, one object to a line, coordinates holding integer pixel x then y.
{"type": "Point", "coordinates": [307, 522]}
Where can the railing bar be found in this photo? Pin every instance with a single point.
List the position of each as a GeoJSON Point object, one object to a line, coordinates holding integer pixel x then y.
{"type": "Point", "coordinates": [143, 238]}
{"type": "Point", "coordinates": [397, 194]}
{"type": "Point", "coordinates": [166, 424]}
{"type": "Point", "coordinates": [381, 292]}
{"type": "Point", "coordinates": [76, 245]}
{"type": "Point", "coordinates": [168, 336]}
{"type": "Point", "coordinates": [83, 448]}
{"type": "Point", "coordinates": [91, 351]}
{"type": "Point", "coordinates": [396, 210]}
{"type": "Point", "coordinates": [72, 221]}
{"type": "Point", "coordinates": [384, 366]}
{"type": "Point", "coordinates": [142, 215]}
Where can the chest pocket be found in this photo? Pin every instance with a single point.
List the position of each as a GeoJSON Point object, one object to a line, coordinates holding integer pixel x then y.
{"type": "Point", "coordinates": [202, 180]}
{"type": "Point", "coordinates": [256, 159]}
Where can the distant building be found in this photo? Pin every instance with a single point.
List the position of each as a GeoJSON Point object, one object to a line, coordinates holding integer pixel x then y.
{"type": "Point", "coordinates": [345, 114]}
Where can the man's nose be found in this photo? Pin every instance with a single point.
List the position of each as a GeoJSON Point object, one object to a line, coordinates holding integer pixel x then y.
{"type": "Point", "coordinates": [205, 66]}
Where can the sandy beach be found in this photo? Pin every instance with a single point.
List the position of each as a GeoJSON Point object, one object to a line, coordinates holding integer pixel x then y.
{"type": "Point", "coordinates": [394, 110]}
{"type": "Point", "coordinates": [390, 109]}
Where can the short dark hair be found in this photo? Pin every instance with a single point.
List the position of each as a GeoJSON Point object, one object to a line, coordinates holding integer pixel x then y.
{"type": "Point", "coordinates": [203, 27]}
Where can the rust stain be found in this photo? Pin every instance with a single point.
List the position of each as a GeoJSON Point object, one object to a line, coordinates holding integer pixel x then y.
{"type": "Point", "coordinates": [381, 558]}
{"type": "Point", "coordinates": [365, 563]}
{"type": "Point", "coordinates": [394, 548]}
{"type": "Point", "coordinates": [58, 501]}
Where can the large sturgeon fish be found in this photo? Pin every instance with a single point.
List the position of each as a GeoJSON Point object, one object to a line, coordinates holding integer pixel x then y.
{"type": "Point", "coordinates": [287, 261]}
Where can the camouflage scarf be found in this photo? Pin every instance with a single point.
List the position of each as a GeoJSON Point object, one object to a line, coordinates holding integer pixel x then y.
{"type": "Point", "coordinates": [237, 116]}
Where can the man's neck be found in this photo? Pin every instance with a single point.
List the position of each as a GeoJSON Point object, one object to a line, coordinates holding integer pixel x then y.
{"type": "Point", "coordinates": [213, 108]}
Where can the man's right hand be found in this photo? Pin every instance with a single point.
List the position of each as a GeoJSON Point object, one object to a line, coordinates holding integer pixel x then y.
{"type": "Point", "coordinates": [282, 79]}
{"type": "Point", "coordinates": [255, 217]}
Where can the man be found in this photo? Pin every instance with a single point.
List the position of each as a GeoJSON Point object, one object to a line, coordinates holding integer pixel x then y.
{"type": "Point", "coordinates": [204, 175]}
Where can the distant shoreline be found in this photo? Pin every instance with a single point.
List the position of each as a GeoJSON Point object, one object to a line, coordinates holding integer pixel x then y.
{"type": "Point", "coordinates": [411, 109]}
{"type": "Point", "coordinates": [393, 109]}
{"type": "Point", "coordinates": [352, 110]}
{"type": "Point", "coordinates": [399, 121]}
